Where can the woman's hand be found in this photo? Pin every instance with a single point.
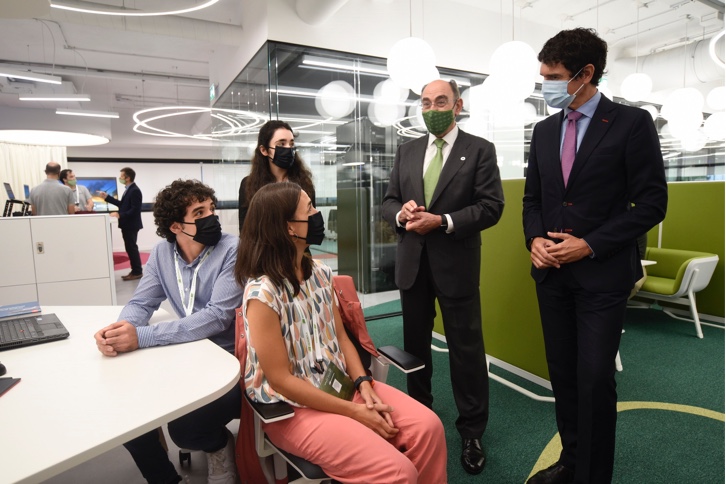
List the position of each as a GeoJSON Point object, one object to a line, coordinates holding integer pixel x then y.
{"type": "Point", "coordinates": [374, 406]}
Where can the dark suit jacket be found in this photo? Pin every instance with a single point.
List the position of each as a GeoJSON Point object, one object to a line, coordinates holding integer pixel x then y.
{"type": "Point", "coordinates": [469, 190]}
{"type": "Point", "coordinates": [129, 208]}
{"type": "Point", "coordinates": [619, 163]}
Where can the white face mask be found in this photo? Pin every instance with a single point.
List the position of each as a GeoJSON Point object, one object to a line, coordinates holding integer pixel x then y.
{"type": "Point", "coordinates": [555, 92]}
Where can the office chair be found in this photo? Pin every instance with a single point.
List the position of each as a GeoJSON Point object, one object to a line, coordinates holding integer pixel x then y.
{"type": "Point", "coordinates": [676, 277]}
{"type": "Point", "coordinates": [376, 360]}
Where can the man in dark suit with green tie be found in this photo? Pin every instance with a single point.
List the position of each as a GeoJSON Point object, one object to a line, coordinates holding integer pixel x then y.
{"type": "Point", "coordinates": [443, 191]}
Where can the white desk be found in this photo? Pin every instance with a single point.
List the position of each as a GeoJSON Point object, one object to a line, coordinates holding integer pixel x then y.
{"type": "Point", "coordinates": [74, 403]}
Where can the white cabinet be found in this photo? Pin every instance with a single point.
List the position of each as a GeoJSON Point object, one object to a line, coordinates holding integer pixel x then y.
{"type": "Point", "coordinates": [62, 260]}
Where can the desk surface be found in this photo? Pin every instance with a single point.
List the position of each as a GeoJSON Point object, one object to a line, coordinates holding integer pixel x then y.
{"type": "Point", "coordinates": [74, 403]}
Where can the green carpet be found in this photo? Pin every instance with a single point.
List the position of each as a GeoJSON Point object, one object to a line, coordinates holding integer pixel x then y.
{"type": "Point", "coordinates": [664, 364]}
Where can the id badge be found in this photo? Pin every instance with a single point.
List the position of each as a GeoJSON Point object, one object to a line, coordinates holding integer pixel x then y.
{"type": "Point", "coordinates": [337, 383]}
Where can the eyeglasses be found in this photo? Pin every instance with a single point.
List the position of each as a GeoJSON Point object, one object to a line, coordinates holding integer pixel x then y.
{"type": "Point", "coordinates": [440, 102]}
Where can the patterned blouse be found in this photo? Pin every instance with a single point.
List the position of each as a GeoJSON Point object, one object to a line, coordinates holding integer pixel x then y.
{"type": "Point", "coordinates": [307, 326]}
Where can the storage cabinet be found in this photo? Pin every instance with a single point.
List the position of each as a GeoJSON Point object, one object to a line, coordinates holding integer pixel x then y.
{"type": "Point", "coordinates": [62, 260]}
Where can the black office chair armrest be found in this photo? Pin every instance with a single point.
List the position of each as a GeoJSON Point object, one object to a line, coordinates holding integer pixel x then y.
{"type": "Point", "coordinates": [271, 412]}
{"type": "Point", "coordinates": [402, 360]}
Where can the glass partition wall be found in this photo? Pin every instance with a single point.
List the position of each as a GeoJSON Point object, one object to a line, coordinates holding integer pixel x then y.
{"type": "Point", "coordinates": [349, 119]}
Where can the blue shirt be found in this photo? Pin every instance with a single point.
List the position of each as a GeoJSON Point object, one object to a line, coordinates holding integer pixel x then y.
{"type": "Point", "coordinates": [588, 110]}
{"type": "Point", "coordinates": [217, 296]}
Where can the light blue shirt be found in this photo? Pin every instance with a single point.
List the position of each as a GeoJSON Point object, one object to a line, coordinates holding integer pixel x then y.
{"type": "Point", "coordinates": [217, 296]}
{"type": "Point", "coordinates": [588, 110]}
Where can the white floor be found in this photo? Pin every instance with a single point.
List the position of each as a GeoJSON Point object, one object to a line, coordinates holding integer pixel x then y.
{"type": "Point", "coordinates": [116, 465]}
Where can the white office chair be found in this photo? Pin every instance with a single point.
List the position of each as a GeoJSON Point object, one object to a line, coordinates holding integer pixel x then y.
{"type": "Point", "coordinates": [694, 269]}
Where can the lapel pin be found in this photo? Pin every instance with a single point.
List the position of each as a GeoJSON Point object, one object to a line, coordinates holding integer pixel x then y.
{"type": "Point", "coordinates": [605, 121]}
{"type": "Point", "coordinates": [463, 158]}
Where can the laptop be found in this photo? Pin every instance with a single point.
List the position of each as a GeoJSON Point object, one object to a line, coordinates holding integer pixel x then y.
{"type": "Point", "coordinates": [24, 326]}
{"type": "Point", "coordinates": [9, 190]}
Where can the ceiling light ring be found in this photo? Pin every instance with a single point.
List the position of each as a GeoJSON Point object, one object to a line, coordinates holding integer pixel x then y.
{"type": "Point", "coordinates": [249, 122]}
{"type": "Point", "coordinates": [127, 13]}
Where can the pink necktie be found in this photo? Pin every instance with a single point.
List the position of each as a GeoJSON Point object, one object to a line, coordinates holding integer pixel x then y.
{"type": "Point", "coordinates": [569, 145]}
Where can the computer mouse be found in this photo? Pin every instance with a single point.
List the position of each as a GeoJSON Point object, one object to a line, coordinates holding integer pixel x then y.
{"type": "Point", "coordinates": [3, 370]}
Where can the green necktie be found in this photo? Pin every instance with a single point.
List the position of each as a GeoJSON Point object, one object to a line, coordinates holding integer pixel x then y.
{"type": "Point", "coordinates": [431, 177]}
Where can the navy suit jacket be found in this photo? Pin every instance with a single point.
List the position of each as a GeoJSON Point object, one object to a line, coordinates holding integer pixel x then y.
{"type": "Point", "coordinates": [469, 190]}
{"type": "Point", "coordinates": [129, 208]}
{"type": "Point", "coordinates": [616, 192]}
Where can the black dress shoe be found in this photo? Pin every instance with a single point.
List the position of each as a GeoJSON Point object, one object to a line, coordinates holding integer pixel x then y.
{"type": "Point", "coordinates": [472, 456]}
{"type": "Point", "coordinates": [554, 474]}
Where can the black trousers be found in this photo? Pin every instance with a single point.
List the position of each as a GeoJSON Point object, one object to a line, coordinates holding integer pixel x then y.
{"type": "Point", "coordinates": [467, 361]}
{"type": "Point", "coordinates": [582, 334]}
{"type": "Point", "coordinates": [203, 429]}
{"type": "Point", "coordinates": [132, 250]}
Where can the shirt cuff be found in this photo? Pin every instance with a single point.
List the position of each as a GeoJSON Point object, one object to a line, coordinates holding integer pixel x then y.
{"type": "Point", "coordinates": [145, 336]}
{"type": "Point", "coordinates": [450, 226]}
{"type": "Point", "coordinates": [398, 224]}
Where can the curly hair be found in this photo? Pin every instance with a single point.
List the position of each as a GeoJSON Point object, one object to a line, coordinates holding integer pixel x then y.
{"type": "Point", "coordinates": [265, 247]}
{"type": "Point", "coordinates": [260, 174]}
{"type": "Point", "coordinates": [170, 204]}
{"type": "Point", "coordinates": [575, 49]}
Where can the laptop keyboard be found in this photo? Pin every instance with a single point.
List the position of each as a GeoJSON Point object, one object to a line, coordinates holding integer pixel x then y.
{"type": "Point", "coordinates": [18, 330]}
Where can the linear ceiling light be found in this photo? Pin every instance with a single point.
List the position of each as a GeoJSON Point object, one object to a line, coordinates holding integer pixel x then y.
{"type": "Point", "coordinates": [29, 76]}
{"type": "Point", "coordinates": [54, 97]}
{"type": "Point", "coordinates": [83, 112]}
{"type": "Point", "coordinates": [129, 13]}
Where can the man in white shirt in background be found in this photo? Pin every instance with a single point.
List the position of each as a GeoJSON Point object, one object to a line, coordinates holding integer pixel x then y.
{"type": "Point", "coordinates": [51, 197]}
{"type": "Point", "coordinates": [82, 198]}
{"type": "Point", "coordinates": [194, 270]}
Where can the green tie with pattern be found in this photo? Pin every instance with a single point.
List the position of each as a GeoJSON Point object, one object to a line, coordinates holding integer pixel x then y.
{"type": "Point", "coordinates": [431, 177]}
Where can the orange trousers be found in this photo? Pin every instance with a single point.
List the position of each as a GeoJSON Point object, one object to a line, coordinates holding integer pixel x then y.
{"type": "Point", "coordinates": [348, 451]}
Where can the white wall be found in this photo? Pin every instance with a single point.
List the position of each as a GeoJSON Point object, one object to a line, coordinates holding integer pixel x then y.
{"type": "Point", "coordinates": [152, 177]}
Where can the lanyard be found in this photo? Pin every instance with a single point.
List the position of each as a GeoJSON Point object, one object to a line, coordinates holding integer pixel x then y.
{"type": "Point", "coordinates": [188, 308]}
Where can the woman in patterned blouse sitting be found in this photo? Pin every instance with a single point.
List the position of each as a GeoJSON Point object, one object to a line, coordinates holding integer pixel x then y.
{"type": "Point", "coordinates": [355, 429]}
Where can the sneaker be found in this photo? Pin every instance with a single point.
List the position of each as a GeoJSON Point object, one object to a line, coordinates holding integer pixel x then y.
{"type": "Point", "coordinates": [221, 467]}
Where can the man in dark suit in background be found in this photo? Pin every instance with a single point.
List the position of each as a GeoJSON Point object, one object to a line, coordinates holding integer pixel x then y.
{"type": "Point", "coordinates": [444, 190]}
{"type": "Point", "coordinates": [595, 182]}
{"type": "Point", "coordinates": [129, 219]}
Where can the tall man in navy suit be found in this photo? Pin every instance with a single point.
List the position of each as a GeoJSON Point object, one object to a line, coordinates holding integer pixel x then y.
{"type": "Point", "coordinates": [444, 190]}
{"type": "Point", "coordinates": [595, 182]}
{"type": "Point", "coordinates": [129, 219]}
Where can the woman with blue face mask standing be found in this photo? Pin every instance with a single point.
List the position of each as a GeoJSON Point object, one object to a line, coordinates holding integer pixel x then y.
{"type": "Point", "coordinates": [275, 160]}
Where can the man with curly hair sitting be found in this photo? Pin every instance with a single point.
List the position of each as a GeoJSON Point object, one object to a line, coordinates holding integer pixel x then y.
{"type": "Point", "coordinates": [193, 268]}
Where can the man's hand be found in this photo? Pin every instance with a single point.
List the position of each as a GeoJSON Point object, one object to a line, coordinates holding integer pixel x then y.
{"type": "Point", "coordinates": [409, 211]}
{"type": "Point", "coordinates": [571, 249]}
{"type": "Point", "coordinates": [119, 337]}
{"type": "Point", "coordinates": [114, 214]}
{"type": "Point", "coordinates": [540, 255]}
{"type": "Point", "coordinates": [424, 222]}
{"type": "Point", "coordinates": [102, 194]}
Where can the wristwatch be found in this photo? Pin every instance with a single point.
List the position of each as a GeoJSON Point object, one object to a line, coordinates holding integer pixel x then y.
{"type": "Point", "coordinates": [444, 223]}
{"type": "Point", "coordinates": [361, 379]}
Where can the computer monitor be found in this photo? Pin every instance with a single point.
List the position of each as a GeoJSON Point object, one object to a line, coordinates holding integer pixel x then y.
{"type": "Point", "coordinates": [100, 184]}
{"type": "Point", "coordinates": [9, 190]}
{"type": "Point", "coordinates": [26, 189]}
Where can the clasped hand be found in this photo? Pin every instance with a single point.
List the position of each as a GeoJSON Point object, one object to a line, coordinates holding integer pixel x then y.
{"type": "Point", "coordinates": [547, 253]}
{"type": "Point", "coordinates": [118, 337]}
{"type": "Point", "coordinates": [417, 219]}
{"type": "Point", "coordinates": [375, 414]}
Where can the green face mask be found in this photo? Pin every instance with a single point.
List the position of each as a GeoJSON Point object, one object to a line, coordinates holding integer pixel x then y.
{"type": "Point", "coordinates": [122, 180]}
{"type": "Point", "coordinates": [71, 183]}
{"type": "Point", "coordinates": [438, 122]}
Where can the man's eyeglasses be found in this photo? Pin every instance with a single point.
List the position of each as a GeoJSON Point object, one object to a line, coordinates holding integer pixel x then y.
{"type": "Point", "coordinates": [441, 102]}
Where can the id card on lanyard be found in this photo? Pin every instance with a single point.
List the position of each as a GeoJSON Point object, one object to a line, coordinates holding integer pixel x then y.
{"type": "Point", "coordinates": [189, 307]}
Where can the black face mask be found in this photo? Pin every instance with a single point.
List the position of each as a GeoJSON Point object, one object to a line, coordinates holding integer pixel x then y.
{"type": "Point", "coordinates": [209, 230]}
{"type": "Point", "coordinates": [284, 157]}
{"type": "Point", "coordinates": [316, 229]}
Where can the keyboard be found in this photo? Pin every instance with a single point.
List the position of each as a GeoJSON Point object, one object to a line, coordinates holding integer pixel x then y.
{"type": "Point", "coordinates": [19, 329]}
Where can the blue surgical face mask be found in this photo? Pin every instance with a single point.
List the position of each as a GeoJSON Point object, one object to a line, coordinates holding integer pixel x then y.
{"type": "Point", "coordinates": [555, 92]}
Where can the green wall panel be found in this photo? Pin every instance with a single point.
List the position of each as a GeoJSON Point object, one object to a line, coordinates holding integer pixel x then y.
{"type": "Point", "coordinates": [695, 221]}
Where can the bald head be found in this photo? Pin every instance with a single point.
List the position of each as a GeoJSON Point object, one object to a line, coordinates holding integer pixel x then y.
{"type": "Point", "coordinates": [53, 170]}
